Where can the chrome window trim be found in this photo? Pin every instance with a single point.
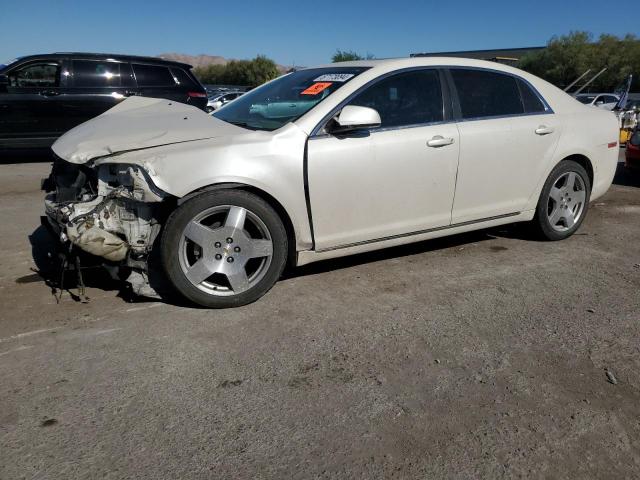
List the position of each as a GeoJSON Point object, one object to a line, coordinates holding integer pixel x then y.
{"type": "Point", "coordinates": [498, 117]}
{"type": "Point", "coordinates": [389, 129]}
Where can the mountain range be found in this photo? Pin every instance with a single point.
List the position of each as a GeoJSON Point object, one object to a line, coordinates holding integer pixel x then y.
{"type": "Point", "coordinates": [203, 60]}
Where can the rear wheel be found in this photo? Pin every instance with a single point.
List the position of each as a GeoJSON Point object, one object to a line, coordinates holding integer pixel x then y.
{"type": "Point", "coordinates": [564, 201]}
{"type": "Point", "coordinates": [224, 248]}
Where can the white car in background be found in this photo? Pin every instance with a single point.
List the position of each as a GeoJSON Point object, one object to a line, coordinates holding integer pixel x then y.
{"type": "Point", "coordinates": [218, 100]}
{"type": "Point", "coordinates": [326, 162]}
{"type": "Point", "coordinates": [606, 101]}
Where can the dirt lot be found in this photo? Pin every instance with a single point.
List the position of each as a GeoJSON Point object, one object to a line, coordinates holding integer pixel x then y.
{"type": "Point", "coordinates": [477, 356]}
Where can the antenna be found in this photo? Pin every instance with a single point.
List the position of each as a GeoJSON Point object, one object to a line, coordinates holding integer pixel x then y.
{"type": "Point", "coordinates": [576, 80]}
{"type": "Point", "coordinates": [592, 79]}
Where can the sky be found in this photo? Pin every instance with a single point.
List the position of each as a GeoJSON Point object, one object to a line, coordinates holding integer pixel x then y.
{"type": "Point", "coordinates": [300, 32]}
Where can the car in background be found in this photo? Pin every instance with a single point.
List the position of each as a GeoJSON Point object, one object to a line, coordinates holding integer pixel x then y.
{"type": "Point", "coordinates": [606, 101]}
{"type": "Point", "coordinates": [43, 96]}
{"type": "Point", "coordinates": [632, 152]}
{"type": "Point", "coordinates": [220, 99]}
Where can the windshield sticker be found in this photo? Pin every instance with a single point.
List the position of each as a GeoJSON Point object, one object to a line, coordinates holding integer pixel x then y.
{"type": "Point", "coordinates": [316, 88]}
{"type": "Point", "coordinates": [334, 77]}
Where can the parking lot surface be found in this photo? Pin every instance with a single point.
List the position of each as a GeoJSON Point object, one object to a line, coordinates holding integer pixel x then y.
{"type": "Point", "coordinates": [485, 355]}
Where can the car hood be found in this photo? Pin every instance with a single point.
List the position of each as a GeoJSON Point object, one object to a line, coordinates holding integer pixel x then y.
{"type": "Point", "coordinates": [138, 123]}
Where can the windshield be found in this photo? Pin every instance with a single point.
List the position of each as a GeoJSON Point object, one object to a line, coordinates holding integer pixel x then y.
{"type": "Point", "coordinates": [285, 99]}
{"type": "Point", "coordinates": [586, 99]}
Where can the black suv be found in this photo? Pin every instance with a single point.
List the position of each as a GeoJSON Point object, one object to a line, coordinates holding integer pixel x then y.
{"type": "Point", "coordinates": [43, 96]}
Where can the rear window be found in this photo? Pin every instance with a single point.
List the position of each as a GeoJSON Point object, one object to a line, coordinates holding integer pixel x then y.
{"type": "Point", "coordinates": [153, 76]}
{"type": "Point", "coordinates": [90, 73]}
{"type": "Point", "coordinates": [182, 78]}
{"type": "Point", "coordinates": [486, 94]}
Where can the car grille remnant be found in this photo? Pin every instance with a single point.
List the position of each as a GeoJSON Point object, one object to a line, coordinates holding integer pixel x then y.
{"type": "Point", "coordinates": [111, 211]}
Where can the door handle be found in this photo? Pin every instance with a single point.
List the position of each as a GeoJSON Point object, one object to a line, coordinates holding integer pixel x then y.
{"type": "Point", "coordinates": [439, 141]}
{"type": "Point", "coordinates": [49, 93]}
{"type": "Point", "coordinates": [544, 130]}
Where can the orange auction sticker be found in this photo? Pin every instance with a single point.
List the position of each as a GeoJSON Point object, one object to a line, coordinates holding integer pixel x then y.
{"type": "Point", "coordinates": [316, 88]}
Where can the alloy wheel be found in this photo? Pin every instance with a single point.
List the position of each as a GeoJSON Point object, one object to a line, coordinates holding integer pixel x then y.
{"type": "Point", "coordinates": [566, 201]}
{"type": "Point", "coordinates": [225, 250]}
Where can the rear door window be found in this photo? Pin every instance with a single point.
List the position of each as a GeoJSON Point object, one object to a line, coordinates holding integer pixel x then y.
{"type": "Point", "coordinates": [91, 73]}
{"type": "Point", "coordinates": [483, 93]}
{"type": "Point", "coordinates": [182, 78]}
{"type": "Point", "coordinates": [530, 100]}
{"type": "Point", "coordinates": [153, 76]}
{"type": "Point", "coordinates": [404, 99]}
{"type": "Point", "coordinates": [36, 75]}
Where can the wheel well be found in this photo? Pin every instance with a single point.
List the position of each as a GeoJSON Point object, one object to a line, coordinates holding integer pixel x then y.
{"type": "Point", "coordinates": [275, 204]}
{"type": "Point", "coordinates": [584, 162]}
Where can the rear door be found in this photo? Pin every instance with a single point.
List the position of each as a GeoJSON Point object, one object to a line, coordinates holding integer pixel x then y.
{"type": "Point", "coordinates": [94, 86]}
{"type": "Point", "coordinates": [507, 139]}
{"type": "Point", "coordinates": [30, 106]}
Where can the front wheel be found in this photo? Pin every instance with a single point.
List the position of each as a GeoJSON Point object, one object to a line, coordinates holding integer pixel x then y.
{"type": "Point", "coordinates": [564, 201]}
{"type": "Point", "coordinates": [224, 248]}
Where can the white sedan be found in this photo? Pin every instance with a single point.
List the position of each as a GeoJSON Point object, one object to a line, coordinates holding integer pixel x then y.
{"type": "Point", "coordinates": [325, 162]}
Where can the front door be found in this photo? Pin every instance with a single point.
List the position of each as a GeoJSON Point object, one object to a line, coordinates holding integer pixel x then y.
{"type": "Point", "coordinates": [398, 179]}
{"type": "Point", "coordinates": [30, 106]}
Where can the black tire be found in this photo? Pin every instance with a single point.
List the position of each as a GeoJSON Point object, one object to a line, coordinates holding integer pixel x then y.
{"type": "Point", "coordinates": [174, 232]}
{"type": "Point", "coordinates": [541, 223]}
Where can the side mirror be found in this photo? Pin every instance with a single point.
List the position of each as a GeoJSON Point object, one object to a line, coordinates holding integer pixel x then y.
{"type": "Point", "coordinates": [356, 118]}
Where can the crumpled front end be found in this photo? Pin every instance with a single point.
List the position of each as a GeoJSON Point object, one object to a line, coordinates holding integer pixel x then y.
{"type": "Point", "coordinates": [112, 211]}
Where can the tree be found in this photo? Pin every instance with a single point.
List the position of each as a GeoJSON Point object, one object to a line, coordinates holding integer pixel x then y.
{"type": "Point", "coordinates": [569, 56]}
{"type": "Point", "coordinates": [348, 56]}
{"type": "Point", "coordinates": [239, 72]}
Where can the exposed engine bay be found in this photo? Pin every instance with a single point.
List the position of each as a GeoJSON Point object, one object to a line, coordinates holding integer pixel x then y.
{"type": "Point", "coordinates": [112, 211]}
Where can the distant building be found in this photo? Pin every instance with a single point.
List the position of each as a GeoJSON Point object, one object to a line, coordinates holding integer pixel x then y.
{"type": "Point", "coordinates": [508, 56]}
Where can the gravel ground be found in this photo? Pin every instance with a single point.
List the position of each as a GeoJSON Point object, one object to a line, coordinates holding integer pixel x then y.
{"type": "Point", "coordinates": [485, 355]}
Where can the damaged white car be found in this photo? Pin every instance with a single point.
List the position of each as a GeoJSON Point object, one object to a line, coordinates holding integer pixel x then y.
{"type": "Point", "coordinates": [321, 163]}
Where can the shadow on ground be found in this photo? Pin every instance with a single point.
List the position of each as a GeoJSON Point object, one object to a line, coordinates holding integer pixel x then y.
{"type": "Point", "coordinates": [46, 256]}
{"type": "Point", "coordinates": [32, 155]}
{"type": "Point", "coordinates": [626, 176]}
{"type": "Point", "coordinates": [515, 231]}
{"type": "Point", "coordinates": [48, 261]}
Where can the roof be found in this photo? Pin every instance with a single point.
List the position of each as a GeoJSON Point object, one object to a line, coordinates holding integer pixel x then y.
{"type": "Point", "coordinates": [501, 53]}
{"type": "Point", "coordinates": [427, 61]}
{"type": "Point", "coordinates": [115, 56]}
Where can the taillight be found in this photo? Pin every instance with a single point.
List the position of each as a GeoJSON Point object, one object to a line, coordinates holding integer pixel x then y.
{"type": "Point", "coordinates": [197, 94]}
